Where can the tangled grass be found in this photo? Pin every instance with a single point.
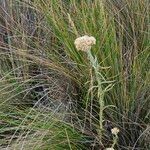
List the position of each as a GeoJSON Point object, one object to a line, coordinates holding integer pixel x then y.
{"type": "Point", "coordinates": [48, 89]}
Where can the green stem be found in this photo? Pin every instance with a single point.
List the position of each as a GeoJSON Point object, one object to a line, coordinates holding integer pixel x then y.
{"type": "Point", "coordinates": [95, 65]}
{"type": "Point", "coordinates": [114, 141]}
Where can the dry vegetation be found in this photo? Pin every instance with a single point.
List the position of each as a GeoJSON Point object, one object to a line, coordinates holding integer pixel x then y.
{"type": "Point", "coordinates": [51, 93]}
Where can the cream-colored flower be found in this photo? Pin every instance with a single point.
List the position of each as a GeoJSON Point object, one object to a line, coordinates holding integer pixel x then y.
{"type": "Point", "coordinates": [115, 131]}
{"type": "Point", "coordinates": [109, 149]}
{"type": "Point", "coordinates": [84, 43]}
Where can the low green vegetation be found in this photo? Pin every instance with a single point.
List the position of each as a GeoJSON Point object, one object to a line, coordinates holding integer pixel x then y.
{"type": "Point", "coordinates": [54, 96]}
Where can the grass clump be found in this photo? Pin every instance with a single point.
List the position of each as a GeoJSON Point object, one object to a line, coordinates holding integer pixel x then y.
{"type": "Point", "coordinates": [52, 95]}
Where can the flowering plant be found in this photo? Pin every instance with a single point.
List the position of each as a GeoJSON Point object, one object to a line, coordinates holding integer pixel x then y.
{"type": "Point", "coordinates": [85, 44]}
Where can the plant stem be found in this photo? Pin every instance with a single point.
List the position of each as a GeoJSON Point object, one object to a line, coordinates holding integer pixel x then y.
{"type": "Point", "coordinates": [100, 94]}
{"type": "Point", "coordinates": [114, 141]}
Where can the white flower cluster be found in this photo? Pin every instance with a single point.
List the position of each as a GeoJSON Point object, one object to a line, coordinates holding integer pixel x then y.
{"type": "Point", "coordinates": [109, 149]}
{"type": "Point", "coordinates": [84, 43]}
{"type": "Point", "coordinates": [115, 131]}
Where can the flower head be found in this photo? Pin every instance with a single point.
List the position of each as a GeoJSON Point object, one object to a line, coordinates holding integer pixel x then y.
{"type": "Point", "coordinates": [109, 149]}
{"type": "Point", "coordinates": [115, 131]}
{"type": "Point", "coordinates": [84, 43]}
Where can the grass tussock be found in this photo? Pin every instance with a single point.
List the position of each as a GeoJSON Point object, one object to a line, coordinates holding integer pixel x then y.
{"type": "Point", "coordinates": [53, 96]}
